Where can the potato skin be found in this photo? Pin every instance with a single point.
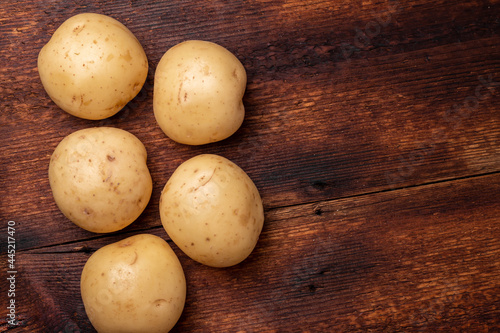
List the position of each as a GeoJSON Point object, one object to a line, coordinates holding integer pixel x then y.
{"type": "Point", "coordinates": [134, 285]}
{"type": "Point", "coordinates": [198, 91]}
{"type": "Point", "coordinates": [99, 178]}
{"type": "Point", "coordinates": [92, 66]}
{"type": "Point", "coordinates": [212, 211]}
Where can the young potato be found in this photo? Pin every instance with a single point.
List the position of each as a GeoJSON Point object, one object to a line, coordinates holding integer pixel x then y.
{"type": "Point", "coordinates": [99, 178]}
{"type": "Point", "coordinates": [212, 211]}
{"type": "Point", "coordinates": [198, 93]}
{"type": "Point", "coordinates": [92, 66]}
{"type": "Point", "coordinates": [134, 285]}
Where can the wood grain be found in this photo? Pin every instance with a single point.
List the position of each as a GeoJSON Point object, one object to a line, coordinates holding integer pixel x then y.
{"type": "Point", "coordinates": [407, 260]}
{"type": "Point", "coordinates": [372, 132]}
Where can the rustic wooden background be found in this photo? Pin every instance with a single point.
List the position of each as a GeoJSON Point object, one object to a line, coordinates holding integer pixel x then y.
{"type": "Point", "coordinates": [372, 132]}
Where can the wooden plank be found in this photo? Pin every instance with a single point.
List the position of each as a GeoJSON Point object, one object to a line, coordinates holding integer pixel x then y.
{"type": "Point", "coordinates": [318, 126]}
{"type": "Point", "coordinates": [346, 101]}
{"type": "Point", "coordinates": [417, 259]}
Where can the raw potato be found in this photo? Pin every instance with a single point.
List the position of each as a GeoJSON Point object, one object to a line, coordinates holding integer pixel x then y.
{"type": "Point", "coordinates": [134, 285]}
{"type": "Point", "coordinates": [92, 66]}
{"type": "Point", "coordinates": [99, 178]}
{"type": "Point", "coordinates": [198, 93]}
{"type": "Point", "coordinates": [212, 211]}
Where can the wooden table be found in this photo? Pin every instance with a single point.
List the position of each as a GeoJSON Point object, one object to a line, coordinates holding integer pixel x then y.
{"type": "Point", "coordinates": [372, 133]}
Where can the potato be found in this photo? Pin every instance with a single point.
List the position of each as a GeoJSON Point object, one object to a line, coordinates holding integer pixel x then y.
{"type": "Point", "coordinates": [198, 93]}
{"type": "Point", "coordinates": [99, 178]}
{"type": "Point", "coordinates": [212, 211]}
{"type": "Point", "coordinates": [92, 66]}
{"type": "Point", "coordinates": [134, 285]}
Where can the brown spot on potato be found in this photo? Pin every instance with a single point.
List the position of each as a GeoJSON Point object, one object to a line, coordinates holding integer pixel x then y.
{"type": "Point", "coordinates": [110, 158]}
{"type": "Point", "coordinates": [244, 220]}
{"type": "Point", "coordinates": [78, 29]}
{"type": "Point", "coordinates": [135, 259]}
{"type": "Point", "coordinates": [206, 182]}
{"type": "Point", "coordinates": [125, 243]}
{"type": "Point", "coordinates": [159, 302]}
{"type": "Point", "coordinates": [136, 86]}
{"type": "Point", "coordinates": [179, 93]}
{"type": "Point", "coordinates": [126, 56]}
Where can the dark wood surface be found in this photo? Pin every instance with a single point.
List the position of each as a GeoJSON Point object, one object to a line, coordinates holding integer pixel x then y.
{"type": "Point", "coordinates": [372, 133]}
